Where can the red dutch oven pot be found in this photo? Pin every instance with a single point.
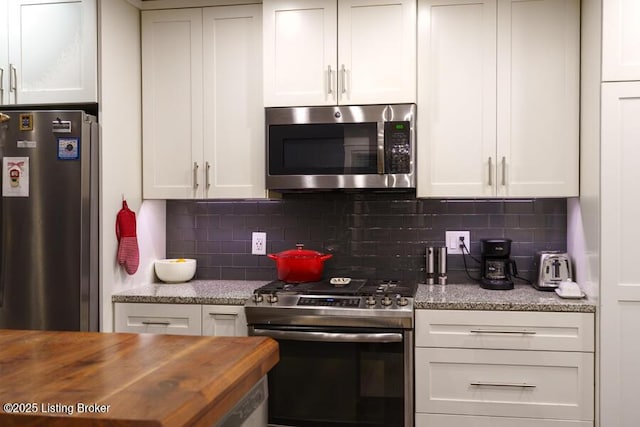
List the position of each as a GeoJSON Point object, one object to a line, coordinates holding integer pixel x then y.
{"type": "Point", "coordinates": [299, 265]}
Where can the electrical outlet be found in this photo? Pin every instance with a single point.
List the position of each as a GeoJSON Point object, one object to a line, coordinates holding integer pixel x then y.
{"type": "Point", "coordinates": [452, 239]}
{"type": "Point", "coordinates": [258, 243]}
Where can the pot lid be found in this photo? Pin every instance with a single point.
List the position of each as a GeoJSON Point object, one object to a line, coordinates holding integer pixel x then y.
{"type": "Point", "coordinates": [299, 252]}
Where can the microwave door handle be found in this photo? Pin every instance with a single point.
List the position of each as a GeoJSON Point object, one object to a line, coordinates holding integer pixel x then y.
{"type": "Point", "coordinates": [381, 143]}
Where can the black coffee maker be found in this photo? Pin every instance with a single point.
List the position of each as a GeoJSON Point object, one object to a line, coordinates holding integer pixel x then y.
{"type": "Point", "coordinates": [497, 268]}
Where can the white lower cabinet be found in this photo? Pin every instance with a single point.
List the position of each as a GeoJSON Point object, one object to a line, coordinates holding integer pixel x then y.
{"type": "Point", "coordinates": [477, 368]}
{"type": "Point", "coordinates": [431, 420]}
{"type": "Point", "coordinates": [180, 319]}
{"type": "Point", "coordinates": [224, 320]}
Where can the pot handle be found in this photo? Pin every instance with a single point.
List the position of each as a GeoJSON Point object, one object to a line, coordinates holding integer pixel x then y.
{"type": "Point", "coordinates": [326, 256]}
{"type": "Point", "coordinates": [272, 256]}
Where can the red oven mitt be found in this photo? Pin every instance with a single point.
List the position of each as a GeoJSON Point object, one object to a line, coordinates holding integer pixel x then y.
{"type": "Point", "coordinates": [128, 253]}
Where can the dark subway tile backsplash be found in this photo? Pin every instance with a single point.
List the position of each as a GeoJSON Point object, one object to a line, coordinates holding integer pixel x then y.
{"type": "Point", "coordinates": [378, 235]}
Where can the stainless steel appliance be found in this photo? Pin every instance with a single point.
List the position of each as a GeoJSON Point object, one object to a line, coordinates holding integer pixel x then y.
{"type": "Point", "coordinates": [341, 147]}
{"type": "Point", "coordinates": [49, 213]}
{"type": "Point", "coordinates": [551, 268]}
{"type": "Point", "coordinates": [346, 351]}
{"type": "Point", "coordinates": [496, 268]}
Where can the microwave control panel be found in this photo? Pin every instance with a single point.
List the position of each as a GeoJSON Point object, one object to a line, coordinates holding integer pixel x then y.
{"type": "Point", "coordinates": [397, 146]}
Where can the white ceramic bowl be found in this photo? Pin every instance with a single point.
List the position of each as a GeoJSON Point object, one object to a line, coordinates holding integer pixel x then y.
{"type": "Point", "coordinates": [175, 270]}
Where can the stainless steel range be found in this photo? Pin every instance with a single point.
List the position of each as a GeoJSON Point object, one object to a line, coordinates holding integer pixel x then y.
{"type": "Point", "coordinates": [346, 351]}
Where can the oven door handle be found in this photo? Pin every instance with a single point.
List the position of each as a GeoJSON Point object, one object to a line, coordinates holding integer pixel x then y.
{"type": "Point", "coordinates": [377, 337]}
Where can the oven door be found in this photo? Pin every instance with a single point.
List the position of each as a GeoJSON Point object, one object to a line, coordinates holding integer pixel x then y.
{"type": "Point", "coordinates": [342, 377]}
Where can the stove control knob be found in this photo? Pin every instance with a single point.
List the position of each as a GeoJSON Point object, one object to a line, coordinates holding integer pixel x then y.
{"type": "Point", "coordinates": [386, 301]}
{"type": "Point", "coordinates": [402, 301]}
{"type": "Point", "coordinates": [371, 300]}
{"type": "Point", "coordinates": [273, 298]}
{"type": "Point", "coordinates": [257, 298]}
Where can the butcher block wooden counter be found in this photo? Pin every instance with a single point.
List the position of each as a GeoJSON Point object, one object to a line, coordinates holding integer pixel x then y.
{"type": "Point", "coordinates": [126, 380]}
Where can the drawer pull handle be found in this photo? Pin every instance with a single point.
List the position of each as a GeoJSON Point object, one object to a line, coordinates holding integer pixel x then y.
{"type": "Point", "coordinates": [498, 331]}
{"type": "Point", "coordinates": [490, 384]}
{"type": "Point", "coordinates": [224, 314]}
{"type": "Point", "coordinates": [147, 322]}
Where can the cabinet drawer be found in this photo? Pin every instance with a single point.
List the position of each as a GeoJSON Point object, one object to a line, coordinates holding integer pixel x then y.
{"type": "Point", "coordinates": [224, 320]}
{"type": "Point", "coordinates": [505, 330]}
{"type": "Point", "coordinates": [439, 420]}
{"type": "Point", "coordinates": [528, 384]}
{"type": "Point", "coordinates": [178, 319]}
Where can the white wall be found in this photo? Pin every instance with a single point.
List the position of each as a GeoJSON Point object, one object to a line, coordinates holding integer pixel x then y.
{"type": "Point", "coordinates": [583, 214]}
{"type": "Point", "coordinates": [121, 158]}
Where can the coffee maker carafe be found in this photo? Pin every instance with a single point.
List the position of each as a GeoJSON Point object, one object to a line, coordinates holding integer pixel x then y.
{"type": "Point", "coordinates": [497, 268]}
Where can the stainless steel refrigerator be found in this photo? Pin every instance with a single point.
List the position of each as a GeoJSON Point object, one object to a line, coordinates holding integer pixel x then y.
{"type": "Point", "coordinates": [49, 214]}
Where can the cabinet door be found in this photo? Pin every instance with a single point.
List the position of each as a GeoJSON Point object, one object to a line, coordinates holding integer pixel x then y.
{"type": "Point", "coordinates": [538, 98]}
{"type": "Point", "coordinates": [456, 97]}
{"type": "Point", "coordinates": [446, 420]}
{"type": "Point", "coordinates": [177, 319]}
{"type": "Point", "coordinates": [172, 99]}
{"type": "Point", "coordinates": [505, 383]}
{"type": "Point", "coordinates": [513, 330]}
{"type": "Point", "coordinates": [4, 54]}
{"type": "Point", "coordinates": [620, 275]}
{"type": "Point", "coordinates": [376, 51]}
{"type": "Point", "coordinates": [300, 40]}
{"type": "Point", "coordinates": [53, 48]}
{"type": "Point", "coordinates": [620, 40]}
{"type": "Point", "coordinates": [224, 320]}
{"type": "Point", "coordinates": [234, 126]}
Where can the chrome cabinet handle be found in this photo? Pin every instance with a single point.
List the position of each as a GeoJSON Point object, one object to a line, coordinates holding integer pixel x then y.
{"type": "Point", "coordinates": [224, 314]}
{"type": "Point", "coordinates": [148, 322]}
{"type": "Point", "coordinates": [492, 384]}
{"type": "Point", "coordinates": [329, 80]}
{"type": "Point", "coordinates": [1, 85]}
{"type": "Point", "coordinates": [344, 79]}
{"type": "Point", "coordinates": [490, 172]}
{"type": "Point", "coordinates": [195, 175]}
{"type": "Point", "coordinates": [13, 81]}
{"type": "Point", "coordinates": [500, 331]}
{"type": "Point", "coordinates": [504, 170]}
{"type": "Point", "coordinates": [207, 182]}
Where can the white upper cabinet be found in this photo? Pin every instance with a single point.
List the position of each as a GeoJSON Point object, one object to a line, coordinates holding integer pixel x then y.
{"type": "Point", "coordinates": [456, 98]}
{"type": "Point", "coordinates": [300, 52]}
{"type": "Point", "coordinates": [620, 40]}
{"type": "Point", "coordinates": [172, 103]}
{"type": "Point", "coordinates": [49, 51]}
{"type": "Point", "coordinates": [498, 97]}
{"type": "Point", "coordinates": [538, 98]}
{"type": "Point", "coordinates": [234, 153]}
{"type": "Point", "coordinates": [203, 124]}
{"type": "Point", "coordinates": [4, 54]}
{"type": "Point", "coordinates": [328, 52]}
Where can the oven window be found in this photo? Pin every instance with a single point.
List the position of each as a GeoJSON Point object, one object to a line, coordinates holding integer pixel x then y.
{"type": "Point", "coordinates": [323, 149]}
{"type": "Point", "coordinates": [337, 384]}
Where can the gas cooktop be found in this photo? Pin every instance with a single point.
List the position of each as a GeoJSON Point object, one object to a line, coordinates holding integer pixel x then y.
{"type": "Point", "coordinates": [339, 286]}
{"type": "Point", "coordinates": [353, 302]}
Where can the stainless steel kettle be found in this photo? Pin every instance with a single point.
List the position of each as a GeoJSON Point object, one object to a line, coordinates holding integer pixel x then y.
{"type": "Point", "coordinates": [551, 268]}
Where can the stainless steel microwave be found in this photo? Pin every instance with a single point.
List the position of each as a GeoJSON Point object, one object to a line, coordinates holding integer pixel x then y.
{"type": "Point", "coordinates": [341, 147]}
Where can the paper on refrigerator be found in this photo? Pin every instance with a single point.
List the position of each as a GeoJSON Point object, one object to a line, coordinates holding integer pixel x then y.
{"type": "Point", "coordinates": [15, 177]}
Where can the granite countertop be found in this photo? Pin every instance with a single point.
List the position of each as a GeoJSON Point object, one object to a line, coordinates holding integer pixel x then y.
{"type": "Point", "coordinates": [220, 292]}
{"type": "Point", "coordinates": [470, 296]}
{"type": "Point", "coordinates": [464, 296]}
